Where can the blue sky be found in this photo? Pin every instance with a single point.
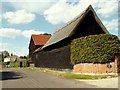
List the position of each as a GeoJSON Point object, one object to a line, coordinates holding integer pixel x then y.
{"type": "Point", "coordinates": [23, 18]}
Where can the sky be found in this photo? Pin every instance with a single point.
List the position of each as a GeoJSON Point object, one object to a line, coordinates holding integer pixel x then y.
{"type": "Point", "coordinates": [20, 19]}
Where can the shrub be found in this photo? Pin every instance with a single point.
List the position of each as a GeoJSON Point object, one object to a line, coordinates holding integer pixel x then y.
{"type": "Point", "coordinates": [14, 64]}
{"type": "Point", "coordinates": [94, 49]}
{"type": "Point", "coordinates": [17, 64]}
{"type": "Point", "coordinates": [4, 64]}
{"type": "Point", "coordinates": [25, 63]}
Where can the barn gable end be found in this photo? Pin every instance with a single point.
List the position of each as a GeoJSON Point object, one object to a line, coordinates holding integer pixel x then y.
{"type": "Point", "coordinates": [87, 23]}
{"type": "Point", "coordinates": [36, 42]}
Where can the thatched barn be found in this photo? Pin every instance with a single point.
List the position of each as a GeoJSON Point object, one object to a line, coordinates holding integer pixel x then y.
{"type": "Point", "coordinates": [56, 52]}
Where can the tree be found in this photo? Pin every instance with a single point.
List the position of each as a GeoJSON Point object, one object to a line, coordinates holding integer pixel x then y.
{"type": "Point", "coordinates": [47, 34]}
{"type": "Point", "coordinates": [2, 58]}
{"type": "Point", "coordinates": [5, 54]}
{"type": "Point", "coordinates": [23, 57]}
{"type": "Point", "coordinates": [11, 54]}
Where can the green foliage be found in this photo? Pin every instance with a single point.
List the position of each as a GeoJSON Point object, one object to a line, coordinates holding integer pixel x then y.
{"type": "Point", "coordinates": [46, 34]}
{"type": "Point", "coordinates": [23, 57]}
{"type": "Point", "coordinates": [67, 74]}
{"type": "Point", "coordinates": [17, 64]}
{"type": "Point", "coordinates": [4, 64]}
{"type": "Point", "coordinates": [29, 60]}
{"type": "Point", "coordinates": [25, 63]}
{"type": "Point", "coordinates": [14, 64]}
{"type": "Point", "coordinates": [1, 57]}
{"type": "Point", "coordinates": [81, 76]}
{"type": "Point", "coordinates": [4, 54]}
{"type": "Point", "coordinates": [94, 49]}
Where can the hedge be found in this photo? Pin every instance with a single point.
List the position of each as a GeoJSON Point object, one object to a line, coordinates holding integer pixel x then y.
{"type": "Point", "coordinates": [17, 64]}
{"type": "Point", "coordinates": [94, 49]}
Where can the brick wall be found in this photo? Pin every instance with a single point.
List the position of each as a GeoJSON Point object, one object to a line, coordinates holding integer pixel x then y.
{"type": "Point", "coordinates": [90, 68]}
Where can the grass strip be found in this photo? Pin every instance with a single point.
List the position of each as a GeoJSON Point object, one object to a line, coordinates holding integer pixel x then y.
{"type": "Point", "coordinates": [69, 75]}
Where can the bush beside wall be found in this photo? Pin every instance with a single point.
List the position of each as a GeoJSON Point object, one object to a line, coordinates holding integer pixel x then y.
{"type": "Point", "coordinates": [24, 63]}
{"type": "Point", "coordinates": [17, 64]}
{"type": "Point", "coordinates": [14, 64]}
{"type": "Point", "coordinates": [95, 49]}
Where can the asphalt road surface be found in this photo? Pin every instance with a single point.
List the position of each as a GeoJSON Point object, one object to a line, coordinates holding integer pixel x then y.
{"type": "Point", "coordinates": [18, 78]}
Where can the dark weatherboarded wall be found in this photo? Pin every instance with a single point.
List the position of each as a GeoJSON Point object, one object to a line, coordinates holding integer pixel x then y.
{"type": "Point", "coordinates": [32, 48]}
{"type": "Point", "coordinates": [58, 57]}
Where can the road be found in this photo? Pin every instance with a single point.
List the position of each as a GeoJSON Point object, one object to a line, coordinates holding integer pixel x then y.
{"type": "Point", "coordinates": [19, 78]}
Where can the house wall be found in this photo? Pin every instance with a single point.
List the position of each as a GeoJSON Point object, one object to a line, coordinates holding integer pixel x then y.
{"type": "Point", "coordinates": [55, 58]}
{"type": "Point", "coordinates": [7, 59]}
{"type": "Point", "coordinates": [90, 68]}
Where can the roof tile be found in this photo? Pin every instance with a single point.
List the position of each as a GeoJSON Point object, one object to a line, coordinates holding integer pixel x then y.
{"type": "Point", "coordinates": [40, 39]}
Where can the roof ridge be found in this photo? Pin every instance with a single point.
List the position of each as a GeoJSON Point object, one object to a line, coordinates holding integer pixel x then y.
{"type": "Point", "coordinates": [74, 19]}
{"type": "Point", "coordinates": [66, 30]}
{"type": "Point", "coordinates": [41, 35]}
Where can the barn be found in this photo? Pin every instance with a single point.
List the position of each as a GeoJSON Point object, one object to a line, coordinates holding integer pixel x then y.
{"type": "Point", "coordinates": [56, 51]}
{"type": "Point", "coordinates": [37, 41]}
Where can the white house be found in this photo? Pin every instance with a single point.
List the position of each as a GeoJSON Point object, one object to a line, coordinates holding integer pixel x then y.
{"type": "Point", "coordinates": [11, 58]}
{"type": "Point", "coordinates": [7, 59]}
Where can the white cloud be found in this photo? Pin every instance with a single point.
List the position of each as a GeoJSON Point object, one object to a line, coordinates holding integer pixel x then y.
{"type": "Point", "coordinates": [107, 8]}
{"type": "Point", "coordinates": [19, 17]}
{"type": "Point", "coordinates": [27, 1]}
{"type": "Point", "coordinates": [13, 33]}
{"type": "Point", "coordinates": [64, 12]}
{"type": "Point", "coordinates": [111, 25]}
{"type": "Point", "coordinates": [37, 6]}
{"type": "Point", "coordinates": [56, 11]}
{"type": "Point", "coordinates": [28, 33]}
{"type": "Point", "coordinates": [9, 32]}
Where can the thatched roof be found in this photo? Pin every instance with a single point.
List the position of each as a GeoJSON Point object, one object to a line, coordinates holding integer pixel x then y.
{"type": "Point", "coordinates": [67, 30]}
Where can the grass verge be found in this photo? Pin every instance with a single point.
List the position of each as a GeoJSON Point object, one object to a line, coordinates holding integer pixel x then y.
{"type": "Point", "coordinates": [68, 74]}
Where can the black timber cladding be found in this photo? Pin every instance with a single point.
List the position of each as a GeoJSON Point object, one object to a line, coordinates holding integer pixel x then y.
{"type": "Point", "coordinates": [55, 56]}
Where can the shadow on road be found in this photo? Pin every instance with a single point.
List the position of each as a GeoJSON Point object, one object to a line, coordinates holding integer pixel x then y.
{"type": "Point", "coordinates": [8, 75]}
